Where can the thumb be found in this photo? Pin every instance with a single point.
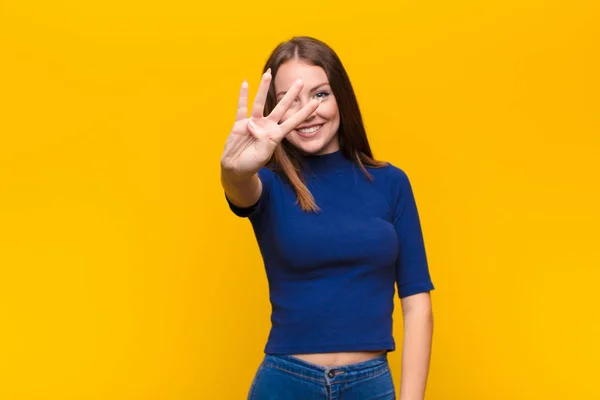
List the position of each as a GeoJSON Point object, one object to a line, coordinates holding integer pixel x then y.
{"type": "Point", "coordinates": [253, 128]}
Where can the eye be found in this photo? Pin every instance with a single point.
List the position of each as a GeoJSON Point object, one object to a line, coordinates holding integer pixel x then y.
{"type": "Point", "coordinates": [322, 95]}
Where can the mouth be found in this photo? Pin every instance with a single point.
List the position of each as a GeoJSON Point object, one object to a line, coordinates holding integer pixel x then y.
{"type": "Point", "coordinates": [310, 131]}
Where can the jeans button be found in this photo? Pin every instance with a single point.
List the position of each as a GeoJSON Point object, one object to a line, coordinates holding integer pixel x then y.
{"type": "Point", "coordinates": [331, 374]}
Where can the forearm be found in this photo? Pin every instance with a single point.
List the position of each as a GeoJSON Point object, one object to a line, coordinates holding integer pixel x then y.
{"type": "Point", "coordinates": [241, 191]}
{"type": "Point", "coordinates": [416, 350]}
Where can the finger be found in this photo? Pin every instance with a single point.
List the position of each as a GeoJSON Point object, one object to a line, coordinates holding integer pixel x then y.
{"type": "Point", "coordinates": [254, 129]}
{"type": "Point", "coordinates": [286, 101]}
{"type": "Point", "coordinates": [261, 95]}
{"type": "Point", "coordinates": [242, 111]}
{"type": "Point", "coordinates": [299, 117]}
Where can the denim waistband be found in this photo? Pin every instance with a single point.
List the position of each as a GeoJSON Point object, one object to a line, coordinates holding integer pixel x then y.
{"type": "Point", "coordinates": [328, 375]}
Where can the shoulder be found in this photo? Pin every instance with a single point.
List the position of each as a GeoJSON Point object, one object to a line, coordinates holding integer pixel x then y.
{"type": "Point", "coordinates": [393, 180]}
{"type": "Point", "coordinates": [391, 174]}
{"type": "Point", "coordinates": [271, 177]}
{"type": "Point", "coordinates": [266, 174]}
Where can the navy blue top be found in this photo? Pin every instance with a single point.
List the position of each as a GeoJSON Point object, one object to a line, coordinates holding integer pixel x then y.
{"type": "Point", "coordinates": [331, 274]}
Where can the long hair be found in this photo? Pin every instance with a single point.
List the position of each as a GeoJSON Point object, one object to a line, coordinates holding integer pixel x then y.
{"type": "Point", "coordinates": [351, 133]}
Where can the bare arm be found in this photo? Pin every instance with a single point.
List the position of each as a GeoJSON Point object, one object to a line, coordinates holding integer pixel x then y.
{"type": "Point", "coordinates": [242, 191]}
{"type": "Point", "coordinates": [252, 141]}
{"type": "Point", "coordinates": [416, 348]}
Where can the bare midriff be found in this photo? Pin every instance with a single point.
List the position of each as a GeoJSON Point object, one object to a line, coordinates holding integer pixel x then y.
{"type": "Point", "coordinates": [338, 359]}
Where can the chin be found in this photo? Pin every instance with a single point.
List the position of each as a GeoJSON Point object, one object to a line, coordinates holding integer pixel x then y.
{"type": "Point", "coordinates": [313, 147]}
{"type": "Point", "coordinates": [309, 148]}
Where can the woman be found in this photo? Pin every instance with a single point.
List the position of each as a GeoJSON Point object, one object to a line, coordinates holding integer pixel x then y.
{"type": "Point", "coordinates": [336, 229]}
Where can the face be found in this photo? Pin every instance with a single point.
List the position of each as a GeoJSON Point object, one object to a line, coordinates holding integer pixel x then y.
{"type": "Point", "coordinates": [318, 134]}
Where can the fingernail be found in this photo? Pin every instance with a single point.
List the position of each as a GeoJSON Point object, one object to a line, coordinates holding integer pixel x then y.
{"type": "Point", "coordinates": [251, 123]}
{"type": "Point", "coordinates": [269, 71]}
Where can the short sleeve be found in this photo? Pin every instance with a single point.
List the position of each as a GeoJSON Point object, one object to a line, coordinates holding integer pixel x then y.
{"type": "Point", "coordinates": [412, 270]}
{"type": "Point", "coordinates": [266, 177]}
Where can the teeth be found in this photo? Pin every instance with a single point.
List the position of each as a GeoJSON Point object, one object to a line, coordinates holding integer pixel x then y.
{"type": "Point", "coordinates": [310, 130]}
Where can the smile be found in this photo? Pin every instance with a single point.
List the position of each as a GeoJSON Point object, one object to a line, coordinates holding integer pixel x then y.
{"type": "Point", "coordinates": [309, 132]}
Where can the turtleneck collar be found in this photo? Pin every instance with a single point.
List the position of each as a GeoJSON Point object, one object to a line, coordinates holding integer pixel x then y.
{"type": "Point", "coordinates": [326, 162]}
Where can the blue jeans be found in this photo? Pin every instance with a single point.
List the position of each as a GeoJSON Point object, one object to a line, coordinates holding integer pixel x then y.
{"type": "Point", "coordinates": [282, 377]}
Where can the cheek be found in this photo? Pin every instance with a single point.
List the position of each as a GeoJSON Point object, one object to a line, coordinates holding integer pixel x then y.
{"type": "Point", "coordinates": [329, 111]}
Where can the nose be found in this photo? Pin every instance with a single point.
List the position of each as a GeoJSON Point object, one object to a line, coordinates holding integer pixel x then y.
{"type": "Point", "coordinates": [314, 113]}
{"type": "Point", "coordinates": [302, 102]}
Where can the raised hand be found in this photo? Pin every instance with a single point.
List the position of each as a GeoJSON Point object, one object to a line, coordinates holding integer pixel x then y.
{"type": "Point", "coordinates": [253, 140]}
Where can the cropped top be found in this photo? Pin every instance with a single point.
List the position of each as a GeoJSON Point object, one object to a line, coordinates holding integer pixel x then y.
{"type": "Point", "coordinates": [332, 274]}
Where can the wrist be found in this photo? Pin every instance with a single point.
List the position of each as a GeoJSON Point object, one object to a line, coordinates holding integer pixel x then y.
{"type": "Point", "coordinates": [229, 172]}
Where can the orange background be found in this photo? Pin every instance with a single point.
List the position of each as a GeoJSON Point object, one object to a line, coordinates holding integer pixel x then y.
{"type": "Point", "coordinates": [123, 275]}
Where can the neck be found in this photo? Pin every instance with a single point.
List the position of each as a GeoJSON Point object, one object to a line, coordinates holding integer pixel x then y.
{"type": "Point", "coordinates": [325, 162]}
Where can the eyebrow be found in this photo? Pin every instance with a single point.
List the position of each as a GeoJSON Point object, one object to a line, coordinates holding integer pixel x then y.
{"type": "Point", "coordinates": [311, 90]}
